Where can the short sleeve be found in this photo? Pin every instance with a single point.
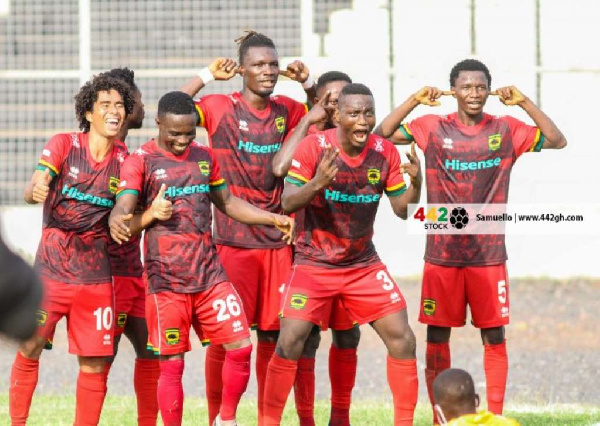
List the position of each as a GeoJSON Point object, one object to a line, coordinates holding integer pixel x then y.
{"type": "Point", "coordinates": [394, 184]}
{"type": "Point", "coordinates": [210, 108]}
{"type": "Point", "coordinates": [303, 162]}
{"type": "Point", "coordinates": [418, 130]}
{"type": "Point", "coordinates": [54, 154]}
{"type": "Point", "coordinates": [525, 138]}
{"type": "Point", "coordinates": [132, 175]}
{"type": "Point", "coordinates": [216, 181]}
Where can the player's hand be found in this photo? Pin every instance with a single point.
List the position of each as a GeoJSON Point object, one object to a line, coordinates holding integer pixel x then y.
{"type": "Point", "coordinates": [162, 209]}
{"type": "Point", "coordinates": [119, 227]}
{"type": "Point", "coordinates": [223, 68]}
{"type": "Point", "coordinates": [41, 187]}
{"type": "Point", "coordinates": [429, 96]}
{"type": "Point", "coordinates": [413, 168]}
{"type": "Point", "coordinates": [296, 71]}
{"type": "Point", "coordinates": [327, 169]}
{"type": "Point", "coordinates": [509, 95]}
{"type": "Point", "coordinates": [319, 113]}
{"type": "Point", "coordinates": [286, 225]}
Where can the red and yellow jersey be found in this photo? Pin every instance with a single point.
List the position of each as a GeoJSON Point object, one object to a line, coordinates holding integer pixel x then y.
{"type": "Point", "coordinates": [482, 418]}
{"type": "Point", "coordinates": [74, 244]}
{"type": "Point", "coordinates": [244, 141]}
{"type": "Point", "coordinates": [179, 253]}
{"type": "Point", "coordinates": [469, 165]}
{"type": "Point", "coordinates": [337, 226]}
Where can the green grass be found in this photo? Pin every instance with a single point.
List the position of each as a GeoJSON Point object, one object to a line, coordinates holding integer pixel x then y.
{"type": "Point", "coordinates": [59, 410]}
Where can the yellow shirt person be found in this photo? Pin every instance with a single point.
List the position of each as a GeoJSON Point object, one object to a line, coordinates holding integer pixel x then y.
{"type": "Point", "coordinates": [482, 418]}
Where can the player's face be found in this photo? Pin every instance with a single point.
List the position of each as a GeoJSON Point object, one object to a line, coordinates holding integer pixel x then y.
{"type": "Point", "coordinates": [176, 132]}
{"type": "Point", "coordinates": [356, 117]}
{"type": "Point", "coordinates": [136, 118]}
{"type": "Point", "coordinates": [472, 90]}
{"type": "Point", "coordinates": [107, 114]}
{"type": "Point", "coordinates": [260, 70]}
{"type": "Point", "coordinates": [334, 87]}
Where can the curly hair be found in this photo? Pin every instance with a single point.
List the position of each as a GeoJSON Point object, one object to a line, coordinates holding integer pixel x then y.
{"type": "Point", "coordinates": [124, 74]}
{"type": "Point", "coordinates": [88, 95]}
{"type": "Point", "coordinates": [469, 65]}
{"type": "Point", "coordinates": [252, 39]}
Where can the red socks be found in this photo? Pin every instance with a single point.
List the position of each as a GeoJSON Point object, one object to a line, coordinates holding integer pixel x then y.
{"type": "Point", "coordinates": [342, 376]}
{"type": "Point", "coordinates": [495, 365]}
{"type": "Point", "coordinates": [23, 380]}
{"type": "Point", "coordinates": [264, 352]}
{"type": "Point", "coordinates": [437, 359]}
{"type": "Point", "coordinates": [145, 382]}
{"type": "Point", "coordinates": [170, 391]}
{"type": "Point", "coordinates": [304, 391]}
{"type": "Point", "coordinates": [236, 372]}
{"type": "Point", "coordinates": [280, 378]}
{"type": "Point", "coordinates": [404, 384]}
{"type": "Point", "coordinates": [213, 374]}
{"type": "Point", "coordinates": [91, 390]}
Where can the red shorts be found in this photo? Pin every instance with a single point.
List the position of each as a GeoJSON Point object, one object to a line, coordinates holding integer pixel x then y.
{"type": "Point", "coordinates": [447, 290]}
{"type": "Point", "coordinates": [367, 293]}
{"type": "Point", "coordinates": [339, 318]}
{"type": "Point", "coordinates": [89, 312]}
{"type": "Point", "coordinates": [258, 275]}
{"type": "Point", "coordinates": [130, 300]}
{"type": "Point", "coordinates": [215, 314]}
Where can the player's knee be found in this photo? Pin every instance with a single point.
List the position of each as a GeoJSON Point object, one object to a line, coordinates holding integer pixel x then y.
{"type": "Point", "coordinates": [402, 344]}
{"type": "Point", "coordinates": [269, 336]}
{"type": "Point", "coordinates": [492, 336]}
{"type": "Point", "coordinates": [346, 339]}
{"type": "Point", "coordinates": [239, 344]}
{"type": "Point", "coordinates": [438, 334]}
{"type": "Point", "coordinates": [312, 343]}
{"type": "Point", "coordinates": [32, 348]}
{"type": "Point", "coordinates": [91, 364]}
{"type": "Point", "coordinates": [291, 344]}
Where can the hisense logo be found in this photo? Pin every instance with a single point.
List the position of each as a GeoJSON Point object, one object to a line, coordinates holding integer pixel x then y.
{"type": "Point", "coordinates": [341, 197]}
{"type": "Point", "coordinates": [180, 191]}
{"type": "Point", "coordinates": [252, 148]}
{"type": "Point", "coordinates": [76, 194]}
{"type": "Point", "coordinates": [458, 165]}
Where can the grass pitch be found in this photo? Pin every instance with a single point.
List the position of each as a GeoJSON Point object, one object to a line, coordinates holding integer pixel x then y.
{"type": "Point", "coordinates": [121, 410]}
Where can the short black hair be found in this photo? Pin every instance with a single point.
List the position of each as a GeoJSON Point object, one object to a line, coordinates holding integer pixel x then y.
{"type": "Point", "coordinates": [178, 103]}
{"type": "Point", "coordinates": [88, 95]}
{"type": "Point", "coordinates": [252, 39]}
{"type": "Point", "coordinates": [330, 76]}
{"type": "Point", "coordinates": [124, 74]}
{"type": "Point", "coordinates": [469, 65]}
{"type": "Point", "coordinates": [355, 89]}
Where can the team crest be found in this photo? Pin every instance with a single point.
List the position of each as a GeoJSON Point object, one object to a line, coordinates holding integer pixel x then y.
{"type": "Point", "coordinates": [280, 124]}
{"type": "Point", "coordinates": [374, 176]}
{"type": "Point", "coordinates": [494, 142]}
{"type": "Point", "coordinates": [429, 307]}
{"type": "Point", "coordinates": [41, 316]}
{"type": "Point", "coordinates": [204, 167]}
{"type": "Point", "coordinates": [113, 184]}
{"type": "Point", "coordinates": [298, 301]}
{"type": "Point", "coordinates": [172, 336]}
{"type": "Point", "coordinates": [121, 319]}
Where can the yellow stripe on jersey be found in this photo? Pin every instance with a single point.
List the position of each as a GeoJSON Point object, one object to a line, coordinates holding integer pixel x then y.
{"type": "Point", "coordinates": [201, 114]}
{"type": "Point", "coordinates": [396, 187]}
{"type": "Point", "coordinates": [50, 166]}
{"type": "Point", "coordinates": [297, 176]}
{"type": "Point", "coordinates": [405, 127]}
{"type": "Point", "coordinates": [536, 140]}
{"type": "Point", "coordinates": [217, 182]}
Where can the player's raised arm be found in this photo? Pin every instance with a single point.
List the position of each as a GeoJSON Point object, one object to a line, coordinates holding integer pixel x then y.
{"type": "Point", "coordinates": [388, 128]}
{"type": "Point", "coordinates": [299, 72]}
{"type": "Point", "coordinates": [553, 137]}
{"type": "Point", "coordinates": [413, 194]}
{"type": "Point", "coordinates": [283, 159]}
{"type": "Point", "coordinates": [295, 198]}
{"type": "Point", "coordinates": [219, 69]}
{"type": "Point", "coordinates": [244, 212]}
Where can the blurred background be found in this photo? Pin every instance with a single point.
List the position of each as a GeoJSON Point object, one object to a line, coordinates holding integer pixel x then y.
{"type": "Point", "coordinates": [546, 48]}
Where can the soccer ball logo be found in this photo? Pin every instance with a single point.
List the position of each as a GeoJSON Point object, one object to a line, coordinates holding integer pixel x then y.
{"type": "Point", "coordinates": [459, 218]}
